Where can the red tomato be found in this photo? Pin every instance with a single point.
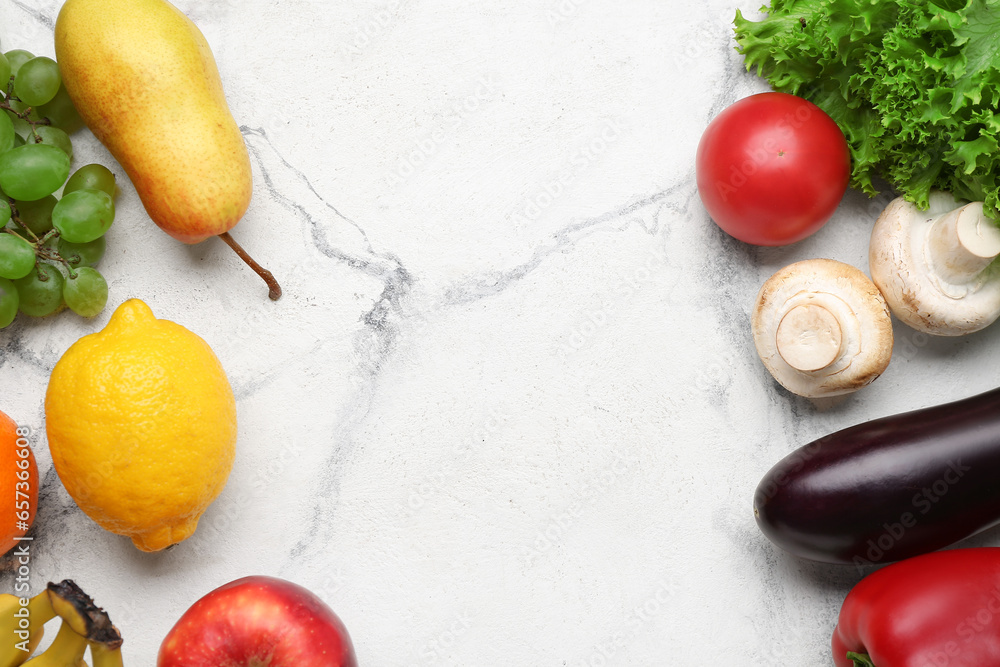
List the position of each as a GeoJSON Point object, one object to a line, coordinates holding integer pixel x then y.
{"type": "Point", "coordinates": [772, 168]}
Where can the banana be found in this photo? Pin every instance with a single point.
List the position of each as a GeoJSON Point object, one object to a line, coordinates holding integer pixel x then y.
{"type": "Point", "coordinates": [104, 656]}
{"type": "Point", "coordinates": [21, 627]}
{"type": "Point", "coordinates": [9, 604]}
{"type": "Point", "coordinates": [83, 624]}
{"type": "Point", "coordinates": [66, 650]}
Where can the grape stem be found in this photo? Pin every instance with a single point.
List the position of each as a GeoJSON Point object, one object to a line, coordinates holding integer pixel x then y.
{"type": "Point", "coordinates": [42, 251]}
{"type": "Point", "coordinates": [53, 256]}
{"type": "Point", "coordinates": [274, 289]}
{"type": "Point", "coordinates": [15, 216]}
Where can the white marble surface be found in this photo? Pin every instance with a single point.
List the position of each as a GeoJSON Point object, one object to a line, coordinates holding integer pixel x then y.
{"type": "Point", "coordinates": [508, 411]}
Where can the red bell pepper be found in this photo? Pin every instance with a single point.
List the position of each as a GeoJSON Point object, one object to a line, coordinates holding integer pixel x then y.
{"type": "Point", "coordinates": [937, 610]}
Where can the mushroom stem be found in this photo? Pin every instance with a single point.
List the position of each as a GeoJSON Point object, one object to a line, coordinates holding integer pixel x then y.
{"type": "Point", "coordinates": [962, 243]}
{"type": "Point", "coordinates": [809, 338]}
{"type": "Point", "coordinates": [822, 328]}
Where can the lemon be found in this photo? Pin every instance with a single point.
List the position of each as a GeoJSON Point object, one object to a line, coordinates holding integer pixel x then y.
{"type": "Point", "coordinates": [141, 423]}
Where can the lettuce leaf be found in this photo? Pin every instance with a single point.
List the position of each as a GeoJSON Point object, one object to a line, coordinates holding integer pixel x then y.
{"type": "Point", "coordinates": [914, 85]}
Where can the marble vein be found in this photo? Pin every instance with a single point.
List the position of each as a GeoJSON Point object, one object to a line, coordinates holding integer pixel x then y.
{"type": "Point", "coordinates": [483, 286]}
{"type": "Point", "coordinates": [39, 14]}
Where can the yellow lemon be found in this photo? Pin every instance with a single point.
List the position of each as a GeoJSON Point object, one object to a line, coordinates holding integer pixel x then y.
{"type": "Point", "coordinates": [141, 423]}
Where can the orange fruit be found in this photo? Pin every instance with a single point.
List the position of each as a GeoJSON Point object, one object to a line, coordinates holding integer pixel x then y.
{"type": "Point", "coordinates": [18, 483]}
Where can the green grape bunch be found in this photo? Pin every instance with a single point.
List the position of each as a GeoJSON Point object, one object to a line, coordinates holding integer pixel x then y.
{"type": "Point", "coordinates": [52, 219]}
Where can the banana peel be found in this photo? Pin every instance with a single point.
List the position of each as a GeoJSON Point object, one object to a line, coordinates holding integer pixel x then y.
{"type": "Point", "coordinates": [83, 625]}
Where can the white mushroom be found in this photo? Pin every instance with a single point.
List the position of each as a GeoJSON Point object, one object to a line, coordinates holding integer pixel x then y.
{"type": "Point", "coordinates": [822, 328]}
{"type": "Point", "coordinates": [935, 267]}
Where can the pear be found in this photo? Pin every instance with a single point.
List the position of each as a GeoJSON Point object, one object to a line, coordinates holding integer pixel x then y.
{"type": "Point", "coordinates": [145, 82]}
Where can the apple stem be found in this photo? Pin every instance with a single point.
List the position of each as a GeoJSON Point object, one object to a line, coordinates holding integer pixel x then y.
{"type": "Point", "coordinates": [274, 289]}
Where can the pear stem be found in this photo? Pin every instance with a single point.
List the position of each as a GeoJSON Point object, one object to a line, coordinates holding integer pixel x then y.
{"type": "Point", "coordinates": [274, 289]}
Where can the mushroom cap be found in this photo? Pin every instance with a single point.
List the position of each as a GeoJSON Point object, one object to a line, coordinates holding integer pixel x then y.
{"type": "Point", "coordinates": [902, 266]}
{"type": "Point", "coordinates": [822, 328]}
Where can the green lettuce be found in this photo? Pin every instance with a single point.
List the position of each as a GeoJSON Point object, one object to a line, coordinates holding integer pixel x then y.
{"type": "Point", "coordinates": [915, 86]}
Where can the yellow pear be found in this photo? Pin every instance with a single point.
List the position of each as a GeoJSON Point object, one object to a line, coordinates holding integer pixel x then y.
{"type": "Point", "coordinates": [145, 82]}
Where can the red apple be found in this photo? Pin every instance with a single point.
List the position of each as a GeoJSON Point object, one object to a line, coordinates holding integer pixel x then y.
{"type": "Point", "coordinates": [258, 622]}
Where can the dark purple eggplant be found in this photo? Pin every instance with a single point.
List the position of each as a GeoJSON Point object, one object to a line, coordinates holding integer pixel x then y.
{"type": "Point", "coordinates": [890, 488]}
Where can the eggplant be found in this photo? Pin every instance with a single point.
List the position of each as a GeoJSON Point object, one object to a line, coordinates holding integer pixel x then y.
{"type": "Point", "coordinates": [889, 488]}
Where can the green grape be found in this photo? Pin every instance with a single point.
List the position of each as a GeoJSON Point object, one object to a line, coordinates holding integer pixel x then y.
{"type": "Point", "coordinates": [37, 81]}
{"type": "Point", "coordinates": [9, 302]}
{"type": "Point", "coordinates": [87, 293]}
{"type": "Point", "coordinates": [17, 257]}
{"type": "Point", "coordinates": [40, 291]}
{"type": "Point", "coordinates": [5, 211]}
{"type": "Point", "coordinates": [37, 215]}
{"type": "Point", "coordinates": [4, 73]}
{"type": "Point", "coordinates": [18, 140]}
{"type": "Point", "coordinates": [61, 112]}
{"type": "Point", "coordinates": [91, 176]}
{"type": "Point", "coordinates": [82, 254]}
{"type": "Point", "coordinates": [7, 133]}
{"type": "Point", "coordinates": [83, 215]}
{"type": "Point", "coordinates": [31, 172]}
{"type": "Point", "coordinates": [18, 57]}
{"type": "Point", "coordinates": [53, 136]}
